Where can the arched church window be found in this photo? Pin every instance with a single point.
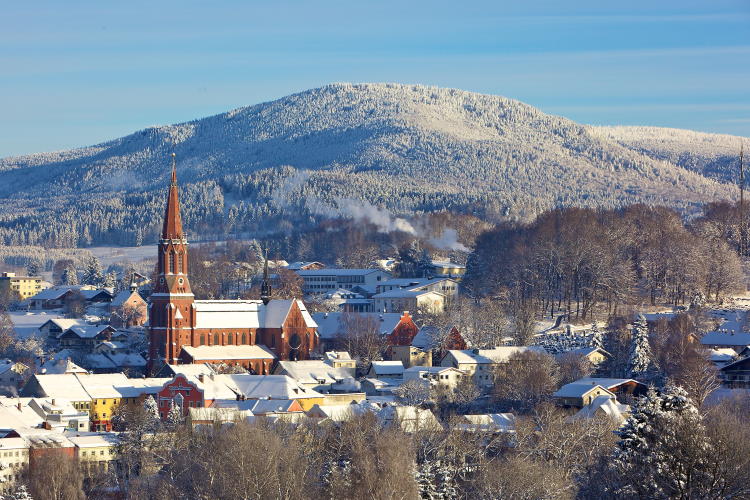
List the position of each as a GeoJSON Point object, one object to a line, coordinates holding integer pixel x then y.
{"type": "Point", "coordinates": [170, 268]}
{"type": "Point", "coordinates": [230, 338]}
{"type": "Point", "coordinates": [216, 339]}
{"type": "Point", "coordinates": [181, 263]}
{"type": "Point", "coordinates": [203, 339]}
{"type": "Point", "coordinates": [244, 338]}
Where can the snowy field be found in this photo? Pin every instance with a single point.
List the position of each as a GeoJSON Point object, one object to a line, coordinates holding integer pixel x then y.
{"type": "Point", "coordinates": [27, 323]}
{"type": "Point", "coordinates": [113, 255]}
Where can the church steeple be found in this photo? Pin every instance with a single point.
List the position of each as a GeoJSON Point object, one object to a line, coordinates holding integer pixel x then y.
{"type": "Point", "coordinates": [172, 229]}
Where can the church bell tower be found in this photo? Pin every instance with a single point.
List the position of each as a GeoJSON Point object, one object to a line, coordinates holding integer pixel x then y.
{"type": "Point", "coordinates": [171, 317]}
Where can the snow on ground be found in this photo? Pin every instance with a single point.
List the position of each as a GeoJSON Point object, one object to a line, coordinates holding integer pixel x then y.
{"type": "Point", "coordinates": [27, 323]}
{"type": "Point", "coordinates": [723, 393]}
{"type": "Point", "coordinates": [113, 255]}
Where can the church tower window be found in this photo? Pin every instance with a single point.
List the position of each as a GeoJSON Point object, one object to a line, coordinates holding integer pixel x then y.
{"type": "Point", "coordinates": [170, 268]}
{"type": "Point", "coordinates": [181, 263]}
{"type": "Point", "coordinates": [244, 338]}
{"type": "Point", "coordinates": [216, 339]}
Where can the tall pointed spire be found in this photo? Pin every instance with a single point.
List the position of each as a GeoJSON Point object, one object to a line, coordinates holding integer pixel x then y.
{"type": "Point", "coordinates": [265, 287]}
{"type": "Point", "coordinates": [172, 229]}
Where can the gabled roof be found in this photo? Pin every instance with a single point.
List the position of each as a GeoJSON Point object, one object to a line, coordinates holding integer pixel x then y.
{"type": "Point", "coordinates": [313, 371]}
{"type": "Point", "coordinates": [330, 324]}
{"type": "Point", "coordinates": [217, 352]}
{"type": "Point", "coordinates": [86, 331]}
{"type": "Point", "coordinates": [138, 386]}
{"type": "Point", "coordinates": [338, 272]}
{"type": "Point", "coordinates": [386, 368]}
{"type": "Point", "coordinates": [608, 383]}
{"type": "Point", "coordinates": [489, 422]}
{"type": "Point", "coordinates": [737, 339]}
{"type": "Point", "coordinates": [64, 385]}
{"type": "Point", "coordinates": [270, 387]}
{"type": "Point", "coordinates": [489, 356]}
{"type": "Point", "coordinates": [578, 390]}
{"type": "Point", "coordinates": [64, 323]}
{"type": "Point", "coordinates": [123, 297]}
{"type": "Point", "coordinates": [247, 313]}
{"type": "Point", "coordinates": [603, 405]}
{"type": "Point", "coordinates": [102, 385]}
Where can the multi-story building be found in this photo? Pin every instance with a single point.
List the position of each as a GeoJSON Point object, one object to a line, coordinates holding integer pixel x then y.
{"type": "Point", "coordinates": [24, 286]}
{"type": "Point", "coordinates": [320, 281]}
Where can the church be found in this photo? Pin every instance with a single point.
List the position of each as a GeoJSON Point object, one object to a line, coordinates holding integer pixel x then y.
{"type": "Point", "coordinates": [251, 333]}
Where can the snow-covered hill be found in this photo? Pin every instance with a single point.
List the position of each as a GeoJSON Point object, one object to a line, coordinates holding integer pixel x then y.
{"type": "Point", "coordinates": [407, 148]}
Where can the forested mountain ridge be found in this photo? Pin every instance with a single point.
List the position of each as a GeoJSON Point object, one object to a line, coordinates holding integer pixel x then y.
{"type": "Point", "coordinates": [405, 148]}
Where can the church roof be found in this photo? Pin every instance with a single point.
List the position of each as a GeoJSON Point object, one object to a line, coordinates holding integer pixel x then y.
{"type": "Point", "coordinates": [247, 313]}
{"type": "Point", "coordinates": [214, 352]}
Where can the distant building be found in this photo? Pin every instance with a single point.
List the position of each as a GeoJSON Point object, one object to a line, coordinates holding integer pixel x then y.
{"type": "Point", "coordinates": [128, 309]}
{"type": "Point", "coordinates": [24, 286]}
{"type": "Point", "coordinates": [446, 269]}
{"type": "Point", "coordinates": [325, 280]}
{"type": "Point", "coordinates": [579, 394]}
{"type": "Point", "coordinates": [482, 363]}
{"type": "Point", "coordinates": [54, 298]}
{"type": "Point", "coordinates": [423, 301]}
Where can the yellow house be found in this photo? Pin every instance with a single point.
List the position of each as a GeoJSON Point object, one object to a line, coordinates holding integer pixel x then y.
{"type": "Point", "coordinates": [24, 286]}
{"type": "Point", "coordinates": [95, 452]}
{"type": "Point", "coordinates": [105, 398]}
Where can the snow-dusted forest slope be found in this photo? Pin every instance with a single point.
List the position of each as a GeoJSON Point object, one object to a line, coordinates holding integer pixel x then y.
{"type": "Point", "coordinates": [402, 147]}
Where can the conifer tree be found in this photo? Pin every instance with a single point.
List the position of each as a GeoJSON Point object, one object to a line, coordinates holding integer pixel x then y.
{"type": "Point", "coordinates": [69, 276]}
{"type": "Point", "coordinates": [663, 448]}
{"type": "Point", "coordinates": [92, 273]}
{"type": "Point", "coordinates": [641, 359]}
{"type": "Point", "coordinates": [152, 409]}
{"type": "Point", "coordinates": [597, 337]}
{"type": "Point", "coordinates": [174, 417]}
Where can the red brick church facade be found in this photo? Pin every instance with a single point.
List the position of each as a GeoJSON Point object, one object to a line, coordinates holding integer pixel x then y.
{"type": "Point", "coordinates": [282, 329]}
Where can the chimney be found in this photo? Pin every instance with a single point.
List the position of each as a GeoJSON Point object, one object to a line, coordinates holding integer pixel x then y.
{"type": "Point", "coordinates": [53, 401]}
{"type": "Point", "coordinates": [201, 377]}
{"type": "Point", "coordinates": [19, 406]}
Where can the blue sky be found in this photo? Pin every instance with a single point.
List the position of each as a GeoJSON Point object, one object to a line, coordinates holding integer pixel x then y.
{"type": "Point", "coordinates": [77, 73]}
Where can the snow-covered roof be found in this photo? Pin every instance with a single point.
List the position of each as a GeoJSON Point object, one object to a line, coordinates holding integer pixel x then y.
{"type": "Point", "coordinates": [11, 417]}
{"type": "Point", "coordinates": [338, 272]}
{"type": "Point", "coordinates": [138, 386]}
{"type": "Point", "coordinates": [737, 339]}
{"type": "Point", "coordinates": [608, 383]}
{"type": "Point", "coordinates": [338, 356]}
{"type": "Point", "coordinates": [227, 314]}
{"type": "Point", "coordinates": [65, 323]}
{"type": "Point", "coordinates": [270, 387]}
{"type": "Point", "coordinates": [722, 354]}
{"type": "Point", "coordinates": [385, 368]}
{"type": "Point", "coordinates": [603, 405]}
{"type": "Point", "coordinates": [124, 296]}
{"type": "Point", "coordinates": [330, 324]}
{"type": "Point", "coordinates": [98, 361]}
{"type": "Point", "coordinates": [102, 385]}
{"type": "Point", "coordinates": [425, 337]}
{"type": "Point", "coordinates": [127, 359]}
{"type": "Point", "coordinates": [313, 371]}
{"type": "Point", "coordinates": [217, 352]}
{"type": "Point", "coordinates": [105, 439]}
{"type": "Point", "coordinates": [403, 294]}
{"type": "Point", "coordinates": [193, 369]}
{"type": "Point", "coordinates": [578, 390]}
{"type": "Point", "coordinates": [488, 356]}
{"type": "Point", "coordinates": [56, 366]}
{"type": "Point", "coordinates": [63, 385]}
{"type": "Point", "coordinates": [429, 369]}
{"type": "Point", "coordinates": [446, 264]}
{"type": "Point", "coordinates": [247, 313]}
{"type": "Point", "coordinates": [489, 422]}
{"type": "Point", "coordinates": [265, 406]}
{"type": "Point", "coordinates": [86, 331]}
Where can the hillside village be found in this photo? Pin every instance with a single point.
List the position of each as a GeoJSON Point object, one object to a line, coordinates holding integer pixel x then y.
{"type": "Point", "coordinates": [98, 358]}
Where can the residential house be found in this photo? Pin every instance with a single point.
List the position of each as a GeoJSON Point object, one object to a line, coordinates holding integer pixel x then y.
{"type": "Point", "coordinates": [60, 414]}
{"type": "Point", "coordinates": [482, 363]}
{"type": "Point", "coordinates": [12, 376]}
{"type": "Point", "coordinates": [313, 374]}
{"type": "Point", "coordinates": [410, 355]}
{"type": "Point", "coordinates": [409, 419]}
{"type": "Point", "coordinates": [442, 377]}
{"type": "Point", "coordinates": [14, 456]}
{"type": "Point", "coordinates": [387, 369]}
{"type": "Point", "coordinates": [105, 398]}
{"type": "Point", "coordinates": [128, 309]}
{"type": "Point", "coordinates": [341, 359]}
{"type": "Point", "coordinates": [424, 301]}
{"type": "Point", "coordinates": [85, 337]}
{"type": "Point", "coordinates": [494, 423]}
{"type": "Point", "coordinates": [603, 406]}
{"type": "Point", "coordinates": [54, 298]}
{"type": "Point", "coordinates": [446, 269]}
{"type": "Point", "coordinates": [624, 388]}
{"type": "Point", "coordinates": [579, 394]}
{"type": "Point", "coordinates": [736, 374]}
{"type": "Point", "coordinates": [334, 325]}
{"type": "Point", "coordinates": [594, 355]}
{"type": "Point", "coordinates": [95, 452]}
{"type": "Point", "coordinates": [726, 339]}
{"type": "Point", "coordinates": [59, 386]}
